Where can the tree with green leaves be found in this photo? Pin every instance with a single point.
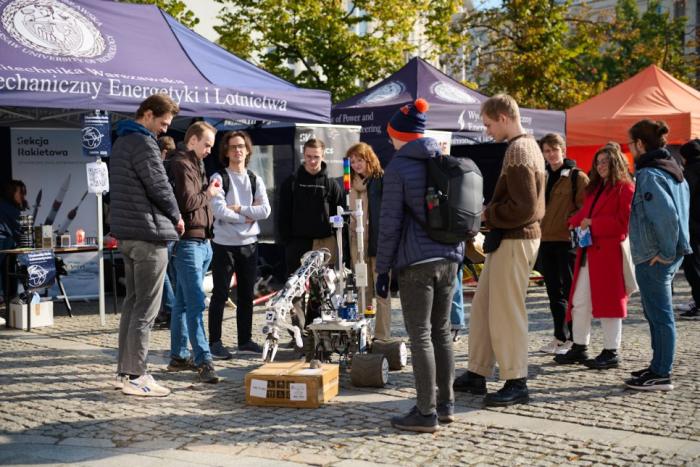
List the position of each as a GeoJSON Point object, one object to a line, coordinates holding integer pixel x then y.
{"type": "Point", "coordinates": [175, 8]}
{"type": "Point", "coordinates": [335, 45]}
{"type": "Point", "coordinates": [535, 50]}
{"type": "Point", "coordinates": [548, 54]}
{"type": "Point", "coordinates": [637, 40]}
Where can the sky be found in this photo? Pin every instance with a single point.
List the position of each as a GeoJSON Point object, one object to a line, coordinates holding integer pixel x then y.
{"type": "Point", "coordinates": [206, 11]}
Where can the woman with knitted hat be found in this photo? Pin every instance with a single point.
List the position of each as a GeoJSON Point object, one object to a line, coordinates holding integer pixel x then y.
{"type": "Point", "coordinates": [366, 177]}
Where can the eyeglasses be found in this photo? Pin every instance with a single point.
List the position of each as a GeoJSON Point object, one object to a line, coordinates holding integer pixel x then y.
{"type": "Point", "coordinates": [237, 146]}
{"type": "Point", "coordinates": [602, 162]}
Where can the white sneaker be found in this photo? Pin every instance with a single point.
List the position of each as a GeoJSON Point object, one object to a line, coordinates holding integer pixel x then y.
{"type": "Point", "coordinates": [563, 348]}
{"type": "Point", "coordinates": [118, 381]}
{"type": "Point", "coordinates": [144, 386]}
{"type": "Point", "coordinates": [686, 306]}
{"type": "Point", "coordinates": [552, 346]}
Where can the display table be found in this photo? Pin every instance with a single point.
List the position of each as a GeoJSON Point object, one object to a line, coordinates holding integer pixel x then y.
{"type": "Point", "coordinates": [11, 270]}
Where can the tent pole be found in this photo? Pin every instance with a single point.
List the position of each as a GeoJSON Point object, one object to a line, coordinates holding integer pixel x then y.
{"type": "Point", "coordinates": [100, 261]}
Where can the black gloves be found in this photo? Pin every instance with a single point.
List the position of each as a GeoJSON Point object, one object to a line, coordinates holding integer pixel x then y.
{"type": "Point", "coordinates": [383, 285]}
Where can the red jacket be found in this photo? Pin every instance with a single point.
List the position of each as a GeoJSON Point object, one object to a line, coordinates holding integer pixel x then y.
{"type": "Point", "coordinates": [609, 227]}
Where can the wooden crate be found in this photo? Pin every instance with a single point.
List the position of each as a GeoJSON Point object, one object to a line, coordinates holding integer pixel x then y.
{"type": "Point", "coordinates": [291, 384]}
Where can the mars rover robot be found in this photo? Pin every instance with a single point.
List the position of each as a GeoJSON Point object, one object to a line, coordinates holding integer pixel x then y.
{"type": "Point", "coordinates": [328, 298]}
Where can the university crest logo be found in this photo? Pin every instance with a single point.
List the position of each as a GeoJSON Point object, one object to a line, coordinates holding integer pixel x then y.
{"type": "Point", "coordinates": [55, 29]}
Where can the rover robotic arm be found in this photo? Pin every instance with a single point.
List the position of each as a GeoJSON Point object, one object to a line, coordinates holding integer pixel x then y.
{"type": "Point", "coordinates": [278, 315]}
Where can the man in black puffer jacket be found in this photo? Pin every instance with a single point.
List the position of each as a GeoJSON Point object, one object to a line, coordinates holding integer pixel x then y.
{"type": "Point", "coordinates": [144, 217]}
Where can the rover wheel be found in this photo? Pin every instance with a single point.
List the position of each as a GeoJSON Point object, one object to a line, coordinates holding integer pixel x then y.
{"type": "Point", "coordinates": [369, 370]}
{"type": "Point", "coordinates": [395, 352]}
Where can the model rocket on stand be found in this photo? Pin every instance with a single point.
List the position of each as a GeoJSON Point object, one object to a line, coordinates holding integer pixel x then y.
{"type": "Point", "coordinates": [71, 215]}
{"type": "Point", "coordinates": [37, 203]}
{"type": "Point", "coordinates": [58, 201]}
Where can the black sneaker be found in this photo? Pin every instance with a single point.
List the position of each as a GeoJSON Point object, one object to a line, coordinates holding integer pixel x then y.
{"type": "Point", "coordinates": [470, 382]}
{"type": "Point", "coordinates": [608, 358]}
{"type": "Point", "coordinates": [416, 421]}
{"type": "Point", "coordinates": [207, 374]}
{"type": "Point", "coordinates": [181, 364]}
{"type": "Point", "coordinates": [639, 373]}
{"type": "Point", "coordinates": [514, 391]}
{"type": "Point", "coordinates": [692, 314]}
{"type": "Point", "coordinates": [650, 381]}
{"type": "Point", "coordinates": [250, 347]}
{"type": "Point", "coordinates": [577, 354]}
{"type": "Point", "coordinates": [446, 412]}
{"type": "Point", "coordinates": [219, 351]}
{"type": "Point", "coordinates": [162, 321]}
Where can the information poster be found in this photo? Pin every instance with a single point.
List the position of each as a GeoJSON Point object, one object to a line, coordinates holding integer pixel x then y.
{"type": "Point", "coordinates": [50, 162]}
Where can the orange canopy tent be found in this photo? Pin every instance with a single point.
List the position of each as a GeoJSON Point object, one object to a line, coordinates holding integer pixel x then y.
{"type": "Point", "coordinates": [651, 93]}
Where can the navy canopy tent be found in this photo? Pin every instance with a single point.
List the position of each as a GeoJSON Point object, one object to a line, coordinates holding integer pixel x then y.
{"type": "Point", "coordinates": [453, 107]}
{"type": "Point", "coordinates": [96, 54]}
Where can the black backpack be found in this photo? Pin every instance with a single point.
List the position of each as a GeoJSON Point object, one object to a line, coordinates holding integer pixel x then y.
{"type": "Point", "coordinates": [226, 182]}
{"type": "Point", "coordinates": [453, 200]}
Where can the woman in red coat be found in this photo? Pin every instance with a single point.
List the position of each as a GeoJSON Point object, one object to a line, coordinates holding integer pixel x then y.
{"type": "Point", "coordinates": [599, 290]}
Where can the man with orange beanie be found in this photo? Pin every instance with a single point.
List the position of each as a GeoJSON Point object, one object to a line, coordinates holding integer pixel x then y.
{"type": "Point", "coordinates": [426, 269]}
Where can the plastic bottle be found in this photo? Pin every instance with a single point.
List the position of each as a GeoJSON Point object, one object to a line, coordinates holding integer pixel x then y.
{"type": "Point", "coordinates": [369, 312]}
{"type": "Point", "coordinates": [433, 202]}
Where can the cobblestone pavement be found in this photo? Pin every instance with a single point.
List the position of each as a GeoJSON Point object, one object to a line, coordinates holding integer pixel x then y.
{"type": "Point", "coordinates": [56, 395]}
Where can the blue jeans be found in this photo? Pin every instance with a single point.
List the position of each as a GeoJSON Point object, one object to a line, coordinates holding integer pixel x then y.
{"type": "Point", "coordinates": [192, 260]}
{"type": "Point", "coordinates": [169, 284]}
{"type": "Point", "coordinates": [655, 290]}
{"type": "Point", "coordinates": [457, 311]}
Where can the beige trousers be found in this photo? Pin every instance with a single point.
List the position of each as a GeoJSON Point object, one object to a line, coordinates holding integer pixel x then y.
{"type": "Point", "coordinates": [382, 321]}
{"type": "Point", "coordinates": [498, 321]}
{"type": "Point", "coordinates": [331, 244]}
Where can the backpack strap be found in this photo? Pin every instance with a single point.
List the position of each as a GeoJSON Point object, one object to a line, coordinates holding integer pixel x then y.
{"type": "Point", "coordinates": [253, 182]}
{"type": "Point", "coordinates": [225, 181]}
{"type": "Point", "coordinates": [574, 179]}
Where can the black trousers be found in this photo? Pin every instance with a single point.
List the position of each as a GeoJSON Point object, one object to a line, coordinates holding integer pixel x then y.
{"type": "Point", "coordinates": [294, 250]}
{"type": "Point", "coordinates": [557, 261]}
{"type": "Point", "coordinates": [691, 267]}
{"type": "Point", "coordinates": [243, 260]}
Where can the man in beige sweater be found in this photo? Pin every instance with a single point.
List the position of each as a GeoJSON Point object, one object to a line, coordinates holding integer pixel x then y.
{"type": "Point", "coordinates": [498, 324]}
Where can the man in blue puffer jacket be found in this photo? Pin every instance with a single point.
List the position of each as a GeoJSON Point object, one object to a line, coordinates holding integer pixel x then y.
{"type": "Point", "coordinates": [426, 270]}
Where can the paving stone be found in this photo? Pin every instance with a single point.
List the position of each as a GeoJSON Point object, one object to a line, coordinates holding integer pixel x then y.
{"type": "Point", "coordinates": [87, 442]}
{"type": "Point", "coordinates": [55, 389]}
{"type": "Point", "coordinates": [312, 458]}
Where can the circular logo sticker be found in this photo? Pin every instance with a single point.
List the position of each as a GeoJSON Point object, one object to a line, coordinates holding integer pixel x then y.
{"type": "Point", "coordinates": [451, 93]}
{"type": "Point", "coordinates": [384, 93]}
{"type": "Point", "coordinates": [36, 276]}
{"type": "Point", "coordinates": [92, 138]}
{"type": "Point", "coordinates": [56, 29]}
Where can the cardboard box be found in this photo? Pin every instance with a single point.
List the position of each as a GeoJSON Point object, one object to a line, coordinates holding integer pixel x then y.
{"type": "Point", "coordinates": [291, 384]}
{"type": "Point", "coordinates": [42, 315]}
